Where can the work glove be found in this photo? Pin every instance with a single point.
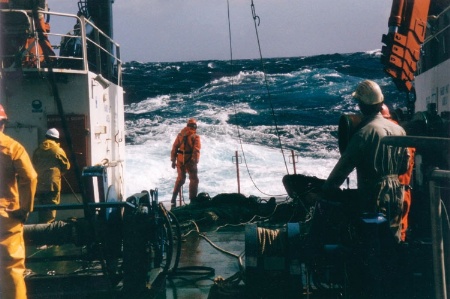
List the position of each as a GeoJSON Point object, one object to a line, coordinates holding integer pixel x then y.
{"type": "Point", "coordinates": [173, 164]}
{"type": "Point", "coordinates": [19, 214]}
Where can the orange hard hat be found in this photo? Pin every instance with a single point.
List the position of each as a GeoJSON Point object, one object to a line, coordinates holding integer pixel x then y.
{"type": "Point", "coordinates": [3, 115]}
{"type": "Point", "coordinates": [385, 111]}
{"type": "Point", "coordinates": [192, 123]}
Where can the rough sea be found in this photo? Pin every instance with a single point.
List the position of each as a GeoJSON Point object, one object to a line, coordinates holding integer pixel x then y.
{"type": "Point", "coordinates": [265, 110]}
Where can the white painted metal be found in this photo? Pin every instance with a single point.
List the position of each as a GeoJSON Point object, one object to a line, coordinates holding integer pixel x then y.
{"type": "Point", "coordinates": [28, 95]}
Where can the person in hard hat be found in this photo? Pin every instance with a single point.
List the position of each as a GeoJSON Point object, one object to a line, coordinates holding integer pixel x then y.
{"type": "Point", "coordinates": [377, 166]}
{"type": "Point", "coordinates": [50, 162]}
{"type": "Point", "coordinates": [17, 188]}
{"type": "Point", "coordinates": [185, 156]}
{"type": "Point", "coordinates": [404, 179]}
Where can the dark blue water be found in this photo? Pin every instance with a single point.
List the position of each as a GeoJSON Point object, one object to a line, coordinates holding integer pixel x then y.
{"type": "Point", "coordinates": [251, 106]}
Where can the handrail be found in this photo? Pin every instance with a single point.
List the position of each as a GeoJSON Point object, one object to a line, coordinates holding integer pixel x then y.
{"type": "Point", "coordinates": [434, 35]}
{"type": "Point", "coordinates": [420, 142]}
{"type": "Point", "coordinates": [76, 206]}
{"type": "Point", "coordinates": [84, 47]}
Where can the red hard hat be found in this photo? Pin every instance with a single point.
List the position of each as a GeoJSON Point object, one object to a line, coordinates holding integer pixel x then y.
{"type": "Point", "coordinates": [385, 111]}
{"type": "Point", "coordinates": [2, 113]}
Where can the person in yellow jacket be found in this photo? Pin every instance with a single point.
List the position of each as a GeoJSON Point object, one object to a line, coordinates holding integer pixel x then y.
{"type": "Point", "coordinates": [17, 188]}
{"type": "Point", "coordinates": [50, 162]}
{"type": "Point", "coordinates": [185, 155]}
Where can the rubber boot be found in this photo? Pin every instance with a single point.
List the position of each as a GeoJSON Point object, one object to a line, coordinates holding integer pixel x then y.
{"type": "Point", "coordinates": [173, 202]}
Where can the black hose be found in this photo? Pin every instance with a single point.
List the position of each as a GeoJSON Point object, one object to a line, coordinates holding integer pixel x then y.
{"type": "Point", "coordinates": [173, 219]}
{"type": "Point", "coordinates": [193, 270]}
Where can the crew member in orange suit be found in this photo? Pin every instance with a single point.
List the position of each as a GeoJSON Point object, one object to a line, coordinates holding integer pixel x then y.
{"type": "Point", "coordinates": [18, 181]}
{"type": "Point", "coordinates": [185, 156]}
{"type": "Point", "coordinates": [41, 46]}
{"type": "Point", "coordinates": [404, 179]}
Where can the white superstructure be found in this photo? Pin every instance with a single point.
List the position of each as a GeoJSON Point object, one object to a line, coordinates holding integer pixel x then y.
{"type": "Point", "coordinates": [76, 89]}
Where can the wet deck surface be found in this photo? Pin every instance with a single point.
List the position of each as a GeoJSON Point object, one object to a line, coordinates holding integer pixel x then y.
{"type": "Point", "coordinates": [206, 258]}
{"type": "Point", "coordinates": [202, 259]}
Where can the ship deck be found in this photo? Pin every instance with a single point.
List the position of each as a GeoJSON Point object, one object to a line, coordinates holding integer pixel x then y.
{"type": "Point", "coordinates": [210, 267]}
{"type": "Point", "coordinates": [203, 258]}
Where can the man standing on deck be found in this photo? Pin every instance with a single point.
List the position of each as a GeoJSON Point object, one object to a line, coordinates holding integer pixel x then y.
{"type": "Point", "coordinates": [378, 166]}
{"type": "Point", "coordinates": [50, 162]}
{"type": "Point", "coordinates": [185, 156]}
{"type": "Point", "coordinates": [17, 187]}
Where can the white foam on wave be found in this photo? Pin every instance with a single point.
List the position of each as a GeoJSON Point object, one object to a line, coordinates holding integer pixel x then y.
{"type": "Point", "coordinates": [376, 52]}
{"type": "Point", "coordinates": [242, 77]}
{"type": "Point", "coordinates": [148, 105]}
{"type": "Point", "coordinates": [148, 165]}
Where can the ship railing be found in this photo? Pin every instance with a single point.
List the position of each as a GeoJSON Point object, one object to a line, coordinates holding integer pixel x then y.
{"type": "Point", "coordinates": [435, 48]}
{"type": "Point", "coordinates": [438, 179]}
{"type": "Point", "coordinates": [74, 45]}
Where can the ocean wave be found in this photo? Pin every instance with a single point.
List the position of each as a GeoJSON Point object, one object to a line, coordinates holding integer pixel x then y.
{"type": "Point", "coordinates": [264, 112]}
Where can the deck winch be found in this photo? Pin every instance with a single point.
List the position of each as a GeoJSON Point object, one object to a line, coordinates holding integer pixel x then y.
{"type": "Point", "coordinates": [308, 256]}
{"type": "Point", "coordinates": [272, 258]}
{"type": "Point", "coordinates": [133, 244]}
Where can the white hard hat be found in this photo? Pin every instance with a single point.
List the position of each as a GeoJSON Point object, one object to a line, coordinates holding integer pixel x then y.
{"type": "Point", "coordinates": [368, 92]}
{"type": "Point", "coordinates": [53, 133]}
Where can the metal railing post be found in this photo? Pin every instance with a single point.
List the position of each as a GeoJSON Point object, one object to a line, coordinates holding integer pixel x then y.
{"type": "Point", "coordinates": [293, 161]}
{"type": "Point", "coordinates": [84, 43]}
{"type": "Point", "coordinates": [236, 158]}
{"type": "Point", "coordinates": [436, 233]}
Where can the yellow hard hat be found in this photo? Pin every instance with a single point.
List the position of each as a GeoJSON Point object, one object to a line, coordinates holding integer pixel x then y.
{"type": "Point", "coordinates": [368, 92]}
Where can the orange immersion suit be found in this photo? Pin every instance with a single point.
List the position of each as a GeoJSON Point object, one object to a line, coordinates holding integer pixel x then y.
{"type": "Point", "coordinates": [186, 154]}
{"type": "Point", "coordinates": [18, 181]}
{"type": "Point", "coordinates": [405, 180]}
{"type": "Point", "coordinates": [39, 50]}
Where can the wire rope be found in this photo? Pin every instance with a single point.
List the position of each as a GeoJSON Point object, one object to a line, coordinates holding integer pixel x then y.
{"type": "Point", "coordinates": [266, 83]}
{"type": "Point", "coordinates": [235, 109]}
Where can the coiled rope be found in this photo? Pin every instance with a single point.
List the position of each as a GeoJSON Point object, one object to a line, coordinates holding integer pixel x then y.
{"type": "Point", "coordinates": [272, 242]}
